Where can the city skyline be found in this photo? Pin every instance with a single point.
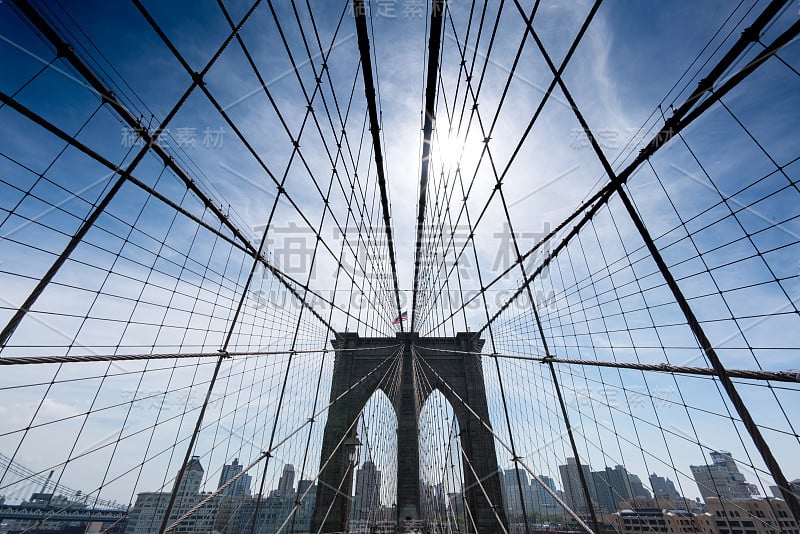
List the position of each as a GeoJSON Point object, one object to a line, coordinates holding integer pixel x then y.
{"type": "Point", "coordinates": [662, 488]}
{"type": "Point", "coordinates": [366, 494]}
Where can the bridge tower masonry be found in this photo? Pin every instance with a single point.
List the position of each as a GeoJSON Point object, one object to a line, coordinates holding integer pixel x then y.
{"type": "Point", "coordinates": [457, 362]}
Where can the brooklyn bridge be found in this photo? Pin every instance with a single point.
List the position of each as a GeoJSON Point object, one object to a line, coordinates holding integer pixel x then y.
{"type": "Point", "coordinates": [393, 266]}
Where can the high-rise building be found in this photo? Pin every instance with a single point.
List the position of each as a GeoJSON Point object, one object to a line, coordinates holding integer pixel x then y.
{"type": "Point", "coordinates": [638, 491]}
{"type": "Point", "coordinates": [286, 482]}
{"type": "Point", "coordinates": [794, 485]}
{"type": "Point", "coordinates": [368, 491]}
{"type": "Point", "coordinates": [511, 491]}
{"type": "Point", "coordinates": [303, 515]}
{"type": "Point", "coordinates": [148, 512]}
{"type": "Point", "coordinates": [722, 478]}
{"type": "Point", "coordinates": [573, 487]}
{"type": "Point", "coordinates": [544, 503]}
{"type": "Point", "coordinates": [663, 488]}
{"type": "Point", "coordinates": [455, 502]}
{"type": "Point", "coordinates": [242, 484]}
{"type": "Point", "coordinates": [612, 486]}
{"type": "Point", "coordinates": [432, 500]}
{"type": "Point", "coordinates": [303, 485]}
{"type": "Point", "coordinates": [534, 495]}
{"type": "Point", "coordinates": [192, 478]}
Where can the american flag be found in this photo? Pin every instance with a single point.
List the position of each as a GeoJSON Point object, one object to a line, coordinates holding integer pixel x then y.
{"type": "Point", "coordinates": [403, 317]}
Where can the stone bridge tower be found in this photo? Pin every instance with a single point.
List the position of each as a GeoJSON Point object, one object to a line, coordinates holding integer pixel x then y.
{"type": "Point", "coordinates": [462, 372]}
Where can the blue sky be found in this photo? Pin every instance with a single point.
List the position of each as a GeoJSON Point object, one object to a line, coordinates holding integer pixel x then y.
{"type": "Point", "coordinates": [167, 274]}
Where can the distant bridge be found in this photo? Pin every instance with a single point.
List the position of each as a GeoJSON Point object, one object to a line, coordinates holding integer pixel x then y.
{"type": "Point", "coordinates": [23, 512]}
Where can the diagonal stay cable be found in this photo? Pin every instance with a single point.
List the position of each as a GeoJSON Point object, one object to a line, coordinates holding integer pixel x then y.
{"type": "Point", "coordinates": [695, 326]}
{"type": "Point", "coordinates": [487, 135]}
{"type": "Point", "coordinates": [672, 127]}
{"type": "Point", "coordinates": [266, 454]}
{"type": "Point", "coordinates": [393, 359]}
{"type": "Point", "coordinates": [390, 380]}
{"type": "Point", "coordinates": [488, 428]}
{"type": "Point", "coordinates": [434, 44]}
{"type": "Point", "coordinates": [242, 243]}
{"type": "Point", "coordinates": [369, 89]}
{"type": "Point", "coordinates": [68, 53]}
{"type": "Point", "coordinates": [324, 55]}
{"type": "Point", "coordinates": [246, 142]}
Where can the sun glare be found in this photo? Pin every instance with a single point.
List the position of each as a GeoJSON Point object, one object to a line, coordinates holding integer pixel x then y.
{"type": "Point", "coordinates": [448, 150]}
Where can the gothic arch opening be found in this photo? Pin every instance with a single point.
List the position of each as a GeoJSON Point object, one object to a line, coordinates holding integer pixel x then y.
{"type": "Point", "coordinates": [374, 492]}
{"type": "Point", "coordinates": [441, 467]}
